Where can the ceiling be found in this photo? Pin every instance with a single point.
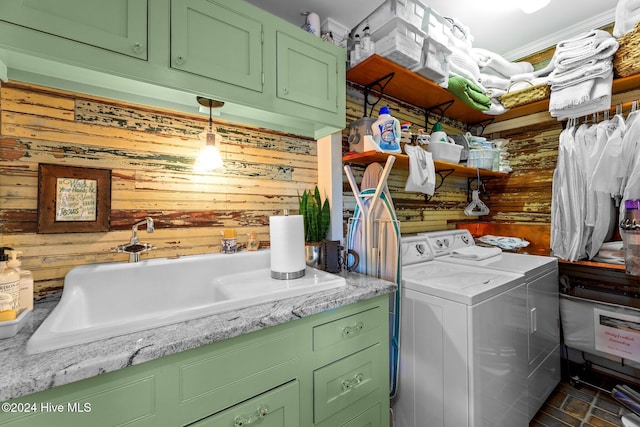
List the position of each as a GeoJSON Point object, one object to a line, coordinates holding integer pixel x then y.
{"type": "Point", "coordinates": [504, 30]}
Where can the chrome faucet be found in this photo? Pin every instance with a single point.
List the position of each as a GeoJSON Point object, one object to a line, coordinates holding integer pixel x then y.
{"type": "Point", "coordinates": [134, 248]}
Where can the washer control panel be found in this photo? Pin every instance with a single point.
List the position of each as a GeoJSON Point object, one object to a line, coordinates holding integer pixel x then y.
{"type": "Point", "coordinates": [443, 242]}
{"type": "Point", "coordinates": [415, 249]}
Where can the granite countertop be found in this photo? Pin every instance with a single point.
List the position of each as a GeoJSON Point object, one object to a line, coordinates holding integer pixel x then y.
{"type": "Point", "coordinates": [25, 374]}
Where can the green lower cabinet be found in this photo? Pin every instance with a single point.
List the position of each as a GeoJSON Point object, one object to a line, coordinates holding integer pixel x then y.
{"type": "Point", "coordinates": [125, 397]}
{"type": "Point", "coordinates": [372, 417]}
{"type": "Point", "coordinates": [276, 408]}
{"type": "Point", "coordinates": [326, 370]}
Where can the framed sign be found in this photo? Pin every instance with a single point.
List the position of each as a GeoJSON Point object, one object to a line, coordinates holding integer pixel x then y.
{"type": "Point", "coordinates": [73, 199]}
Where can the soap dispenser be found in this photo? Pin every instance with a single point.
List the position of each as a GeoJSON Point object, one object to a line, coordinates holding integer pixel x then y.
{"type": "Point", "coordinates": [9, 278]}
{"type": "Point", "coordinates": [25, 296]}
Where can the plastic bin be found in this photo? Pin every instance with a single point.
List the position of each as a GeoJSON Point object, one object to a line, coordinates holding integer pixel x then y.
{"type": "Point", "coordinates": [481, 158]}
{"type": "Point", "coordinates": [403, 46]}
{"type": "Point", "coordinates": [445, 151]}
{"type": "Point", "coordinates": [436, 27]}
{"type": "Point", "coordinates": [434, 61]}
{"type": "Point", "coordinates": [409, 11]}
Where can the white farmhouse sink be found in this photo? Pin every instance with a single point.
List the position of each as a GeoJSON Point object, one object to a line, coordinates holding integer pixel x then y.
{"type": "Point", "coordinates": [106, 300]}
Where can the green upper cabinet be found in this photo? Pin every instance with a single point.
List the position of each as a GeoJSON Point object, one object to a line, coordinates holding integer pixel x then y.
{"type": "Point", "coordinates": [213, 39]}
{"type": "Point", "coordinates": [164, 53]}
{"type": "Point", "coordinates": [306, 73]}
{"type": "Point", "coordinates": [116, 25]}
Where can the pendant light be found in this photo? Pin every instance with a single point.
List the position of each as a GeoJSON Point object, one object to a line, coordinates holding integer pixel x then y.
{"type": "Point", "coordinates": [209, 158]}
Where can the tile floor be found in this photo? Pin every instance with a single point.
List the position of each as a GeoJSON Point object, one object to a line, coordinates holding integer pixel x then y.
{"type": "Point", "coordinates": [581, 406]}
{"type": "Point", "coordinates": [578, 407]}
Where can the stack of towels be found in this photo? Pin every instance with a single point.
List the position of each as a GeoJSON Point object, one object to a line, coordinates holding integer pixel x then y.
{"type": "Point", "coordinates": [464, 73]}
{"type": "Point", "coordinates": [627, 16]}
{"type": "Point", "coordinates": [478, 76]}
{"type": "Point", "coordinates": [497, 75]}
{"type": "Point", "coordinates": [583, 74]}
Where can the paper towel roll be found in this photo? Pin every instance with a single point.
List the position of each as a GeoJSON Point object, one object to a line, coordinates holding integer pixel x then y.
{"type": "Point", "coordinates": [287, 246]}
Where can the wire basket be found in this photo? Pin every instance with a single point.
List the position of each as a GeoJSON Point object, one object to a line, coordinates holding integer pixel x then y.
{"type": "Point", "coordinates": [626, 61]}
{"type": "Point", "coordinates": [525, 96]}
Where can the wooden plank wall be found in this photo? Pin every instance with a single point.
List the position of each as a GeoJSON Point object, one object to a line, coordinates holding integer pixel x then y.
{"type": "Point", "coordinates": [150, 153]}
{"type": "Point", "coordinates": [416, 215]}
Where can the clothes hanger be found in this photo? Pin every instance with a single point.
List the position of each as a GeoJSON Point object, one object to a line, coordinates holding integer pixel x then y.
{"type": "Point", "coordinates": [477, 206]}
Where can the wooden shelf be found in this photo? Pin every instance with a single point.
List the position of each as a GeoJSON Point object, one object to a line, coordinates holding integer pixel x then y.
{"type": "Point", "coordinates": [422, 92]}
{"type": "Point", "coordinates": [402, 161]}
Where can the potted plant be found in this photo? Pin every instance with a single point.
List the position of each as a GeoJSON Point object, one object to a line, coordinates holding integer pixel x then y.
{"type": "Point", "coordinates": [316, 216]}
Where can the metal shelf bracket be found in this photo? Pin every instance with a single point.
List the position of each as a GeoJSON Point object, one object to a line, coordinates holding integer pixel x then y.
{"type": "Point", "coordinates": [378, 86]}
{"type": "Point", "coordinates": [436, 110]}
{"type": "Point", "coordinates": [443, 174]}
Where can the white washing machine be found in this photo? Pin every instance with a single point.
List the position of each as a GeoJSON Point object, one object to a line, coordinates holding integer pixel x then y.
{"type": "Point", "coordinates": [541, 276]}
{"type": "Point", "coordinates": [463, 344]}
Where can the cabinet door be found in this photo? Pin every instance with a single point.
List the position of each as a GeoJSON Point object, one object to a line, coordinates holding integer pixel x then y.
{"type": "Point", "coordinates": [117, 25]}
{"type": "Point", "coordinates": [306, 74]}
{"type": "Point", "coordinates": [126, 397]}
{"type": "Point", "coordinates": [276, 408]}
{"type": "Point", "coordinates": [544, 317]}
{"type": "Point", "coordinates": [213, 40]}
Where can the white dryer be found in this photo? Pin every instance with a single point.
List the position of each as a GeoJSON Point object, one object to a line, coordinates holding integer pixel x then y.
{"type": "Point", "coordinates": [463, 344]}
{"type": "Point", "coordinates": [541, 276]}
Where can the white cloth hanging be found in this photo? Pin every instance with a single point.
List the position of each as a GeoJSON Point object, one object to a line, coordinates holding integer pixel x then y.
{"type": "Point", "coordinates": [567, 204]}
{"type": "Point", "coordinates": [422, 172]}
{"type": "Point", "coordinates": [603, 181]}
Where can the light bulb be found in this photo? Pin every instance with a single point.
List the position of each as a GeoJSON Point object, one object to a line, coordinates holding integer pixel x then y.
{"type": "Point", "coordinates": [209, 158]}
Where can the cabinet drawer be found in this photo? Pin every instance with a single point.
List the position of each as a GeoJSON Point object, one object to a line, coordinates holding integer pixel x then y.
{"type": "Point", "coordinates": [369, 418]}
{"type": "Point", "coordinates": [342, 383]}
{"type": "Point", "coordinates": [276, 408]}
{"type": "Point", "coordinates": [233, 374]}
{"type": "Point", "coordinates": [357, 331]}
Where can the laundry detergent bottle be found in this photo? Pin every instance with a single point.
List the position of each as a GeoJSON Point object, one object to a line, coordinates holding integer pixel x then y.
{"type": "Point", "coordinates": [386, 131]}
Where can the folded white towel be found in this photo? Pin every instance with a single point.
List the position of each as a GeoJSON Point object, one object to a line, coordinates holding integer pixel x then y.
{"type": "Point", "coordinates": [422, 172]}
{"type": "Point", "coordinates": [463, 66]}
{"type": "Point", "coordinates": [588, 97]}
{"type": "Point", "coordinates": [492, 63]}
{"type": "Point", "coordinates": [560, 79]}
{"type": "Point", "coordinates": [494, 82]}
{"type": "Point", "coordinates": [476, 253]}
{"type": "Point", "coordinates": [573, 59]}
{"type": "Point", "coordinates": [584, 40]}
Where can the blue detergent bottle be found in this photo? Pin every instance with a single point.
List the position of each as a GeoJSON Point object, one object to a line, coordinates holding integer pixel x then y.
{"type": "Point", "coordinates": [386, 131]}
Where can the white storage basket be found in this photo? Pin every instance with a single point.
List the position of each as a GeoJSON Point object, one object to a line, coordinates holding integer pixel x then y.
{"type": "Point", "coordinates": [403, 46]}
{"type": "Point", "coordinates": [408, 11]}
{"type": "Point", "coordinates": [434, 61]}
